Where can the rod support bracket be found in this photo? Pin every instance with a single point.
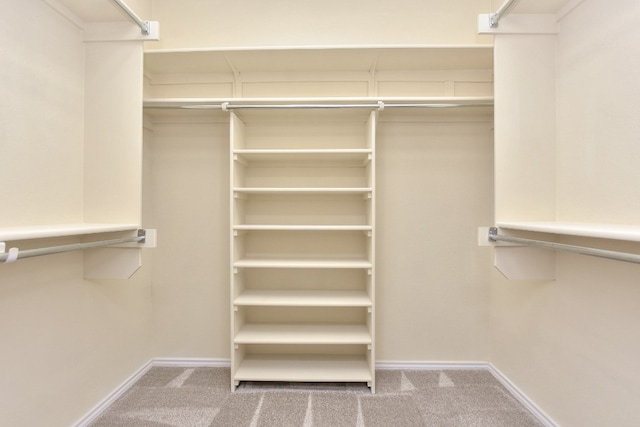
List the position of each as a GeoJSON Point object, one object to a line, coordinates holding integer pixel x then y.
{"type": "Point", "coordinates": [493, 231]}
{"type": "Point", "coordinates": [493, 20]}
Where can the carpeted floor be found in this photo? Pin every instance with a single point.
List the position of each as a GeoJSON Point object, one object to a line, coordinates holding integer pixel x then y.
{"type": "Point", "coordinates": [201, 397]}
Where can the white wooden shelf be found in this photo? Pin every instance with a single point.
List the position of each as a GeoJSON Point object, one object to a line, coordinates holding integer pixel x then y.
{"type": "Point", "coordinates": [302, 190]}
{"type": "Point", "coordinates": [301, 263]}
{"type": "Point", "coordinates": [305, 155]}
{"type": "Point", "coordinates": [320, 58]}
{"type": "Point", "coordinates": [60, 230]}
{"type": "Point", "coordinates": [290, 333]}
{"type": "Point", "coordinates": [306, 227]}
{"type": "Point", "coordinates": [303, 298]}
{"type": "Point", "coordinates": [330, 368]}
{"type": "Point", "coordinates": [602, 231]}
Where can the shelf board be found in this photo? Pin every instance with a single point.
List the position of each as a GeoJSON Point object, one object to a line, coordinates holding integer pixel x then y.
{"type": "Point", "coordinates": [302, 190]}
{"type": "Point", "coordinates": [326, 368]}
{"type": "Point", "coordinates": [320, 58]}
{"type": "Point", "coordinates": [60, 230]}
{"type": "Point", "coordinates": [301, 263]}
{"type": "Point", "coordinates": [312, 333]}
{"type": "Point", "coordinates": [602, 231]}
{"type": "Point", "coordinates": [302, 227]}
{"type": "Point", "coordinates": [324, 155]}
{"type": "Point", "coordinates": [303, 298]}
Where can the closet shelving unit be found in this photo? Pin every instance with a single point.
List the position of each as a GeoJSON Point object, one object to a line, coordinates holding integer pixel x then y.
{"type": "Point", "coordinates": [302, 124]}
{"type": "Point", "coordinates": [543, 188]}
{"type": "Point", "coordinates": [79, 167]}
{"type": "Point", "coordinates": [303, 205]}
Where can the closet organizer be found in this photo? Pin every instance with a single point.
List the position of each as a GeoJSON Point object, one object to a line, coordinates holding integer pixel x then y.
{"type": "Point", "coordinates": [302, 197]}
{"type": "Point", "coordinates": [74, 181]}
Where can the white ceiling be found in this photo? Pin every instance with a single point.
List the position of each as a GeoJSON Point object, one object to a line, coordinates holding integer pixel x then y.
{"type": "Point", "coordinates": [108, 11]}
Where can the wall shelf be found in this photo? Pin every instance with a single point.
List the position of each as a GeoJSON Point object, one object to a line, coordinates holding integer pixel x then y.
{"type": "Point", "coordinates": [329, 333]}
{"type": "Point", "coordinates": [306, 190]}
{"type": "Point", "coordinates": [275, 367]}
{"type": "Point", "coordinates": [60, 230]}
{"type": "Point", "coordinates": [303, 298]}
{"type": "Point", "coordinates": [302, 263]}
{"type": "Point", "coordinates": [319, 58]}
{"type": "Point", "coordinates": [602, 231]}
{"type": "Point", "coordinates": [269, 227]}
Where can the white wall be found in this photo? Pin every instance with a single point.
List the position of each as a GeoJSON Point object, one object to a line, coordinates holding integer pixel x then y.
{"type": "Point", "coordinates": [66, 342]}
{"type": "Point", "coordinates": [191, 265]}
{"type": "Point", "coordinates": [41, 116]}
{"type": "Point", "coordinates": [434, 181]}
{"type": "Point", "coordinates": [206, 23]}
{"type": "Point", "coordinates": [434, 184]}
{"type": "Point", "coordinates": [571, 344]}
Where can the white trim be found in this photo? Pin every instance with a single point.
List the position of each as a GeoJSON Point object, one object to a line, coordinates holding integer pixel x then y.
{"type": "Point", "coordinates": [521, 397]}
{"type": "Point", "coordinates": [192, 362]}
{"type": "Point", "coordinates": [432, 366]}
{"type": "Point", "coordinates": [92, 415]}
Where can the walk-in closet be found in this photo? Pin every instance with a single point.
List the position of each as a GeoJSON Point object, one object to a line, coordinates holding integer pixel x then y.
{"type": "Point", "coordinates": [421, 204]}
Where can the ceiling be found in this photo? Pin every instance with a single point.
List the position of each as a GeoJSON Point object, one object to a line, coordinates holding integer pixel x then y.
{"type": "Point", "coordinates": [108, 11]}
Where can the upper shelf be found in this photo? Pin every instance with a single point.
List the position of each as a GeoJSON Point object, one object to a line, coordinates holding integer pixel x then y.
{"type": "Point", "coordinates": [60, 230]}
{"type": "Point", "coordinates": [603, 231]}
{"type": "Point", "coordinates": [356, 58]}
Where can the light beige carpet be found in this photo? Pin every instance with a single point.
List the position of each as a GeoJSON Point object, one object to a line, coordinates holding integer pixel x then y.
{"type": "Point", "coordinates": [201, 397]}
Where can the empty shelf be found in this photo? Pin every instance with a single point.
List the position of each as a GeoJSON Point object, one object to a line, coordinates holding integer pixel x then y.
{"type": "Point", "coordinates": [304, 298]}
{"type": "Point", "coordinates": [301, 263]}
{"type": "Point", "coordinates": [302, 190]}
{"type": "Point", "coordinates": [308, 227]}
{"type": "Point", "coordinates": [313, 333]}
{"type": "Point", "coordinates": [329, 368]}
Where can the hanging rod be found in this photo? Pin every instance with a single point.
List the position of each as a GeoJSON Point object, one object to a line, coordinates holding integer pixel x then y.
{"type": "Point", "coordinates": [225, 106]}
{"type": "Point", "coordinates": [15, 254]}
{"type": "Point", "coordinates": [601, 253]}
{"type": "Point", "coordinates": [144, 25]}
{"type": "Point", "coordinates": [494, 18]}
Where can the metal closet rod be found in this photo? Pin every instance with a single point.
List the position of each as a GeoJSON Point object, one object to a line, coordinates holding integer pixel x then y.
{"type": "Point", "coordinates": [225, 106]}
{"type": "Point", "coordinates": [15, 254]}
{"type": "Point", "coordinates": [494, 18]}
{"type": "Point", "coordinates": [144, 25]}
{"type": "Point", "coordinates": [600, 253]}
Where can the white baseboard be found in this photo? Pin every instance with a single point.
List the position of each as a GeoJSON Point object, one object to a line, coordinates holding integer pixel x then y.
{"type": "Point", "coordinates": [432, 366]}
{"type": "Point", "coordinates": [522, 398]}
{"type": "Point", "coordinates": [111, 398]}
{"type": "Point", "coordinates": [192, 362]}
{"type": "Point", "coordinates": [225, 363]}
